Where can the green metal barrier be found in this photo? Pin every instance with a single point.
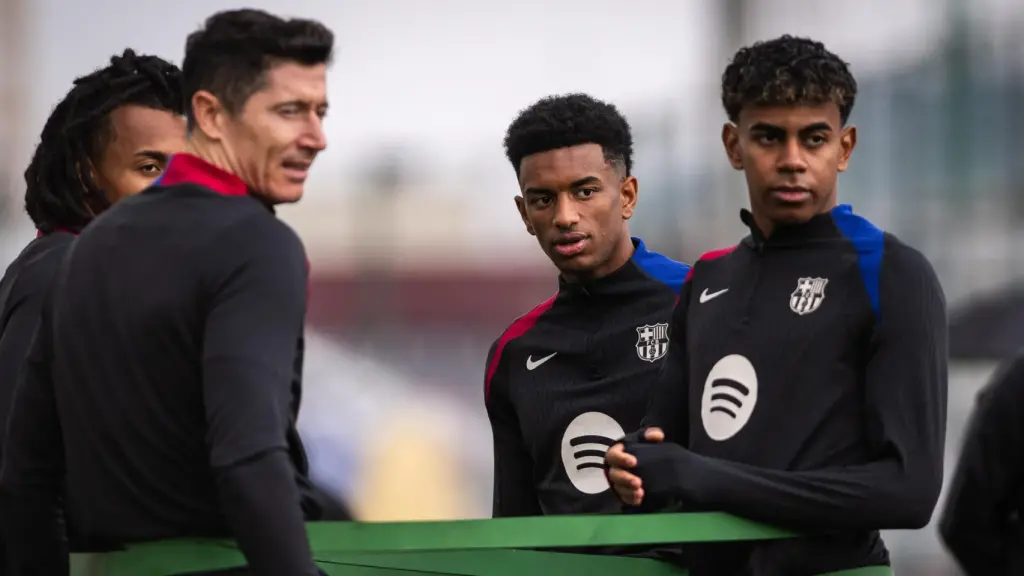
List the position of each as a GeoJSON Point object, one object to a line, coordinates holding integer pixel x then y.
{"type": "Point", "coordinates": [459, 548]}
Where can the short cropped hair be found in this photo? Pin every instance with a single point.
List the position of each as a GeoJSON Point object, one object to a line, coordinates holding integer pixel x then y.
{"type": "Point", "coordinates": [230, 55]}
{"type": "Point", "coordinates": [787, 71]}
{"type": "Point", "coordinates": [59, 190]}
{"type": "Point", "coordinates": [570, 120]}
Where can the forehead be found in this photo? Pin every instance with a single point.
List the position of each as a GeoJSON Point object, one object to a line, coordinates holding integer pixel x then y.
{"type": "Point", "coordinates": [792, 117]}
{"type": "Point", "coordinates": [293, 81]}
{"type": "Point", "coordinates": [138, 127]}
{"type": "Point", "coordinates": [559, 167]}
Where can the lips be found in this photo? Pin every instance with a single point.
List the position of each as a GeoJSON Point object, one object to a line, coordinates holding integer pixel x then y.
{"type": "Point", "coordinates": [296, 169]}
{"type": "Point", "coordinates": [791, 194]}
{"type": "Point", "coordinates": [570, 244]}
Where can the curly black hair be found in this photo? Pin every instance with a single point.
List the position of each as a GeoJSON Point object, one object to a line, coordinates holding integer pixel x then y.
{"type": "Point", "coordinates": [570, 120]}
{"type": "Point", "coordinates": [787, 70]}
{"type": "Point", "coordinates": [230, 54]}
{"type": "Point", "coordinates": [60, 192]}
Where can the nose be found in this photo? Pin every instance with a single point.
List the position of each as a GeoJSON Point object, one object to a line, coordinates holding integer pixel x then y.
{"type": "Point", "coordinates": [566, 214]}
{"type": "Point", "coordinates": [791, 158]}
{"type": "Point", "coordinates": [314, 138]}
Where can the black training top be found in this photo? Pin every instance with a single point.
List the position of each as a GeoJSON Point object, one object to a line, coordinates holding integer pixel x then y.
{"type": "Point", "coordinates": [565, 380]}
{"type": "Point", "coordinates": [805, 386]}
{"type": "Point", "coordinates": [983, 520]}
{"type": "Point", "coordinates": [22, 291]}
{"type": "Point", "coordinates": [165, 380]}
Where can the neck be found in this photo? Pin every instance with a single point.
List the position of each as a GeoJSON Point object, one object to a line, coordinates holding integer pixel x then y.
{"type": "Point", "coordinates": [211, 152]}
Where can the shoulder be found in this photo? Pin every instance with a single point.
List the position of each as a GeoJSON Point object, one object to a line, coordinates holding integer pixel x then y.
{"type": "Point", "coordinates": [868, 242]}
{"type": "Point", "coordinates": [660, 267]}
{"type": "Point", "coordinates": [708, 257]}
{"type": "Point", "coordinates": [256, 251]}
{"type": "Point", "coordinates": [523, 324]}
{"type": "Point", "coordinates": [897, 255]}
{"type": "Point", "coordinates": [1004, 391]}
{"type": "Point", "coordinates": [32, 271]}
{"type": "Point", "coordinates": [884, 260]}
{"type": "Point", "coordinates": [867, 238]}
{"type": "Point", "coordinates": [905, 270]}
{"type": "Point", "coordinates": [259, 234]}
{"type": "Point", "coordinates": [519, 327]}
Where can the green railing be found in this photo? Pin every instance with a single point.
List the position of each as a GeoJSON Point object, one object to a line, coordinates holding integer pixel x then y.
{"type": "Point", "coordinates": [461, 547]}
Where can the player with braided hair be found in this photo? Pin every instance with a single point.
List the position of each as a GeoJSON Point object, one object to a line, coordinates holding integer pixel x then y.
{"type": "Point", "coordinates": [110, 137]}
{"type": "Point", "coordinates": [165, 380]}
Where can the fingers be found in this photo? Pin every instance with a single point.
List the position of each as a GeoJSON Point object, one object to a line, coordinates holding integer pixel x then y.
{"type": "Point", "coordinates": [627, 486]}
{"type": "Point", "coordinates": [616, 457]}
{"type": "Point", "coordinates": [621, 478]}
{"type": "Point", "coordinates": [654, 434]}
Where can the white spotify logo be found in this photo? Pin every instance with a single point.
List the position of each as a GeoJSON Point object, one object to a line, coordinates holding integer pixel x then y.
{"type": "Point", "coordinates": [584, 444]}
{"type": "Point", "coordinates": [730, 394]}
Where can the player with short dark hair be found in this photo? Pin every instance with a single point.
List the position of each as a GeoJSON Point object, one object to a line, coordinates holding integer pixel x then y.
{"type": "Point", "coordinates": [566, 379]}
{"type": "Point", "coordinates": [109, 137]}
{"type": "Point", "coordinates": [805, 384]}
{"type": "Point", "coordinates": [165, 379]}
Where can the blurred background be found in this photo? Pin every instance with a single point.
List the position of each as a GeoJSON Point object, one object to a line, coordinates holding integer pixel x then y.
{"type": "Point", "coordinates": [419, 258]}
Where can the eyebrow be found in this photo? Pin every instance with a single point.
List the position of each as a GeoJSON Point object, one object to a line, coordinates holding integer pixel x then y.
{"type": "Point", "coordinates": [815, 127]}
{"type": "Point", "coordinates": [152, 155]}
{"type": "Point", "coordinates": [575, 184]}
{"type": "Point", "coordinates": [303, 103]}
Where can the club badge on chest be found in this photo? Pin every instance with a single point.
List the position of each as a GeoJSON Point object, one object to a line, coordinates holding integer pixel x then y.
{"type": "Point", "coordinates": [808, 296]}
{"type": "Point", "coordinates": [652, 342]}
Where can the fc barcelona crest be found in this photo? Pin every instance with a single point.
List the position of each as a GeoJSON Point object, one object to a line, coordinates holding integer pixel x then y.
{"type": "Point", "coordinates": [652, 342]}
{"type": "Point", "coordinates": [808, 296]}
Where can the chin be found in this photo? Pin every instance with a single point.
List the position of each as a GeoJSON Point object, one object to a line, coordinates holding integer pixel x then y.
{"type": "Point", "coordinates": [581, 265]}
{"type": "Point", "coordinates": [284, 194]}
{"type": "Point", "coordinates": [795, 214]}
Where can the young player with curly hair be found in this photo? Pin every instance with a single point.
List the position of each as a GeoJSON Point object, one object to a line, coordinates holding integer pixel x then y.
{"type": "Point", "coordinates": [805, 383]}
{"type": "Point", "coordinates": [565, 380]}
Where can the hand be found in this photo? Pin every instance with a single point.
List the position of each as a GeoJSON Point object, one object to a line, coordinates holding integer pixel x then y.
{"type": "Point", "coordinates": [627, 486]}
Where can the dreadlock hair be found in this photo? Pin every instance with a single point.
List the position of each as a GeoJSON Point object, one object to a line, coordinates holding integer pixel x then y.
{"type": "Point", "coordinates": [787, 71]}
{"type": "Point", "coordinates": [230, 55]}
{"type": "Point", "coordinates": [60, 192]}
{"type": "Point", "coordinates": [570, 120]}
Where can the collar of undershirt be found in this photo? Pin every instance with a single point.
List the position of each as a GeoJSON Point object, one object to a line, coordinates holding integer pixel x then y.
{"type": "Point", "coordinates": [40, 233]}
{"type": "Point", "coordinates": [189, 169]}
{"type": "Point", "coordinates": [819, 227]}
{"type": "Point", "coordinates": [623, 281]}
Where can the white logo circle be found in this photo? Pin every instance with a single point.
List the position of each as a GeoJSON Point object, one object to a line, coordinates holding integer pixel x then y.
{"type": "Point", "coordinates": [584, 444]}
{"type": "Point", "coordinates": [730, 394]}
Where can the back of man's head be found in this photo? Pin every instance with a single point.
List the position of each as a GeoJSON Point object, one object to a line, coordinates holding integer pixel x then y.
{"type": "Point", "coordinates": [230, 55]}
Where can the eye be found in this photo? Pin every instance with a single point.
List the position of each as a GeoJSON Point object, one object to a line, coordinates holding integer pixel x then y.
{"type": "Point", "coordinates": [816, 140]}
{"type": "Point", "coordinates": [766, 139]}
{"type": "Point", "coordinates": [150, 169]}
{"type": "Point", "coordinates": [289, 110]}
{"type": "Point", "coordinates": [540, 201]}
{"type": "Point", "coordinates": [586, 192]}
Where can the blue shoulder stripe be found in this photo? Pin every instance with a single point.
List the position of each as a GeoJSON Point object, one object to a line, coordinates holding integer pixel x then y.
{"type": "Point", "coordinates": [661, 268]}
{"type": "Point", "coordinates": [869, 241]}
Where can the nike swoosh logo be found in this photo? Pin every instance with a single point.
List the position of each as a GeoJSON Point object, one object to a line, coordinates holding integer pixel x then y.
{"type": "Point", "coordinates": [704, 296]}
{"type": "Point", "coordinates": [532, 365]}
